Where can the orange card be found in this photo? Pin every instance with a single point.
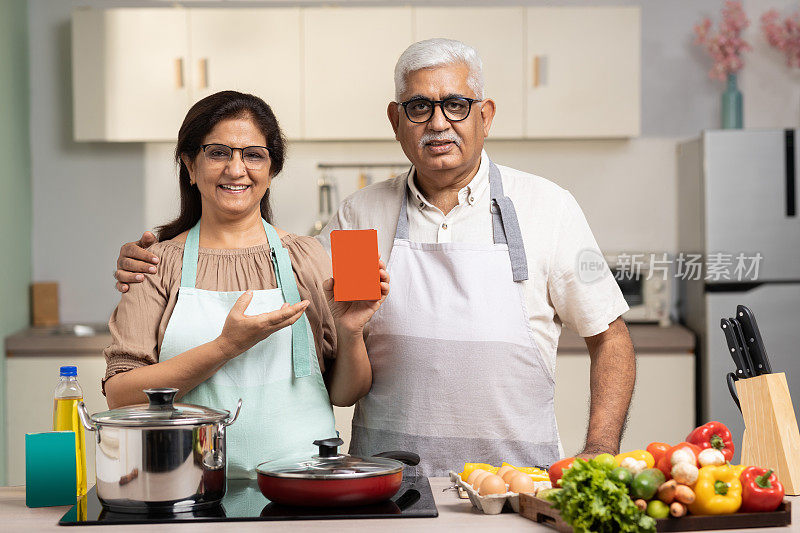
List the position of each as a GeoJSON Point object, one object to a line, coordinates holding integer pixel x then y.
{"type": "Point", "coordinates": [356, 275]}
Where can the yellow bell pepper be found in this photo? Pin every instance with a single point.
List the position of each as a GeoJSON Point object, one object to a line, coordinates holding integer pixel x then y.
{"type": "Point", "coordinates": [738, 469]}
{"type": "Point", "coordinates": [639, 455]}
{"type": "Point", "coordinates": [469, 467]}
{"type": "Point", "coordinates": [718, 490]}
{"type": "Point", "coordinates": [536, 474]}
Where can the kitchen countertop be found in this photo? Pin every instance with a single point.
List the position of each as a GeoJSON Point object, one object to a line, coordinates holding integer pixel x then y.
{"type": "Point", "coordinates": [86, 339]}
{"type": "Point", "coordinates": [58, 340]}
{"type": "Point", "coordinates": [454, 515]}
{"type": "Point", "coordinates": [647, 338]}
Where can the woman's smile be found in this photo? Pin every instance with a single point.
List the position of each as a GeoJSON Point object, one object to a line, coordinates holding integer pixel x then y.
{"type": "Point", "coordinates": [232, 188]}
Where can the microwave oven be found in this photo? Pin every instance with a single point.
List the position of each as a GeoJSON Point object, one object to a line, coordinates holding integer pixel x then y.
{"type": "Point", "coordinates": [647, 283]}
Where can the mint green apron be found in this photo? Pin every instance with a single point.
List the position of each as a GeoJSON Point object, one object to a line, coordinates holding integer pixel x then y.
{"type": "Point", "coordinates": [285, 405]}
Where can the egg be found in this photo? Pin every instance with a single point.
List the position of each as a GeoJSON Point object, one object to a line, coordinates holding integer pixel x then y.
{"type": "Point", "coordinates": [472, 475]}
{"type": "Point", "coordinates": [504, 469]}
{"type": "Point", "coordinates": [492, 484]}
{"type": "Point", "coordinates": [522, 483]}
{"type": "Point", "coordinates": [476, 482]}
{"type": "Point", "coordinates": [510, 474]}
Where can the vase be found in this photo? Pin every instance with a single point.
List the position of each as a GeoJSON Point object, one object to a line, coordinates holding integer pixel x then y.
{"type": "Point", "coordinates": [732, 105]}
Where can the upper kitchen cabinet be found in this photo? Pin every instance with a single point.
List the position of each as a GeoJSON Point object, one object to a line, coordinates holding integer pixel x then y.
{"type": "Point", "coordinates": [250, 50]}
{"type": "Point", "coordinates": [129, 74]}
{"type": "Point", "coordinates": [497, 34]}
{"type": "Point", "coordinates": [583, 72]}
{"type": "Point", "coordinates": [349, 70]}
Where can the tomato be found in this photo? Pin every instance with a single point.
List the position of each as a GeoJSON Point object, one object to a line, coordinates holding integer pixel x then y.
{"type": "Point", "coordinates": [658, 449]}
{"type": "Point", "coordinates": [557, 470]}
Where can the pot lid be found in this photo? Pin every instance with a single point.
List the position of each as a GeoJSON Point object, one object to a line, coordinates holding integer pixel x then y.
{"type": "Point", "coordinates": [330, 464]}
{"type": "Point", "coordinates": [161, 411]}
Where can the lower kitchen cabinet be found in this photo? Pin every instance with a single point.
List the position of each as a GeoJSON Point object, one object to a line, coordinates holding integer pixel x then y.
{"type": "Point", "coordinates": [662, 409]}
{"type": "Point", "coordinates": [30, 384]}
{"type": "Point", "coordinates": [663, 406]}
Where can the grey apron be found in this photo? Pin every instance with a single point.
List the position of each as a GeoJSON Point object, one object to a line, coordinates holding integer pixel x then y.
{"type": "Point", "coordinates": [456, 373]}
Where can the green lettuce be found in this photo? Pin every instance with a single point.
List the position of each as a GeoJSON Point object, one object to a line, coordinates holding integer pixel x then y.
{"type": "Point", "coordinates": [593, 502]}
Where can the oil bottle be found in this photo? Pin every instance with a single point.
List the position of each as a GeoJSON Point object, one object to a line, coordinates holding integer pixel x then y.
{"type": "Point", "coordinates": [65, 418]}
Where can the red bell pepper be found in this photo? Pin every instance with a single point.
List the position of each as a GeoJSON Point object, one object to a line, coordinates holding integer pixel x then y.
{"type": "Point", "coordinates": [665, 463]}
{"type": "Point", "coordinates": [557, 470]}
{"type": "Point", "coordinates": [761, 490]}
{"type": "Point", "coordinates": [713, 435]}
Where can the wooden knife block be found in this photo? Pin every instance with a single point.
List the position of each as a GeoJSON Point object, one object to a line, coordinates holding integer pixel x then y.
{"type": "Point", "coordinates": [771, 438]}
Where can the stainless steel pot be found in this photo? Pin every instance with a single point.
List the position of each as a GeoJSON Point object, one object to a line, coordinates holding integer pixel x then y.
{"type": "Point", "coordinates": [160, 456]}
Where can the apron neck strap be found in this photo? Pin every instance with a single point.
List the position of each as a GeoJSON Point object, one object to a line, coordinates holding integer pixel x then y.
{"type": "Point", "coordinates": [282, 265]}
{"type": "Point", "coordinates": [505, 225]}
{"type": "Point", "coordinates": [190, 252]}
{"type": "Point", "coordinates": [402, 219]}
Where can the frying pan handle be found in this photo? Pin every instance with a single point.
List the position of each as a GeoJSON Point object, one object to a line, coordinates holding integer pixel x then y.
{"type": "Point", "coordinates": [407, 499]}
{"type": "Point", "coordinates": [408, 458]}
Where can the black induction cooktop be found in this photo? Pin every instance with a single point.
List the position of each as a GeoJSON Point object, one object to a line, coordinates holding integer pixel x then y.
{"type": "Point", "coordinates": [243, 501]}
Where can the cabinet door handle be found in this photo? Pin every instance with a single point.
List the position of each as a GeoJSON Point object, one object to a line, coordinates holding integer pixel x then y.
{"type": "Point", "coordinates": [179, 73]}
{"type": "Point", "coordinates": [539, 71]}
{"type": "Point", "coordinates": [204, 73]}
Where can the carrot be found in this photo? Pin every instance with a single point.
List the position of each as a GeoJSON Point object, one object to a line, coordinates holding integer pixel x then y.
{"type": "Point", "coordinates": [666, 492]}
{"type": "Point", "coordinates": [677, 509]}
{"type": "Point", "coordinates": [684, 494]}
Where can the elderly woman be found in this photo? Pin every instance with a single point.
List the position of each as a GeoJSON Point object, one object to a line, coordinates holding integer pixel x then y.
{"type": "Point", "coordinates": [238, 308]}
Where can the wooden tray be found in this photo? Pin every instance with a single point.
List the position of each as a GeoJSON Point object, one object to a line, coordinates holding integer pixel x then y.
{"type": "Point", "coordinates": [540, 511]}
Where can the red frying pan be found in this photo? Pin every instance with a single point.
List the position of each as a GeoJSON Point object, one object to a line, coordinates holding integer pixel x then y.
{"type": "Point", "coordinates": [331, 479]}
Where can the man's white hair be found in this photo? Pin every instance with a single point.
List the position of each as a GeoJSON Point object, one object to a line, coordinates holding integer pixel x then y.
{"type": "Point", "coordinates": [433, 53]}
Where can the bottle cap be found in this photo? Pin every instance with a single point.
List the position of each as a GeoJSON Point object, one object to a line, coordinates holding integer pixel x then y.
{"type": "Point", "coordinates": [69, 370]}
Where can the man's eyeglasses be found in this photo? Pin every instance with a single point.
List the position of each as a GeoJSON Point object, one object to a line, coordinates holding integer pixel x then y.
{"type": "Point", "coordinates": [455, 109]}
{"type": "Point", "coordinates": [254, 157]}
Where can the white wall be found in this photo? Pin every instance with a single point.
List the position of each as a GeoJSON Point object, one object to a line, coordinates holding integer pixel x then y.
{"type": "Point", "coordinates": [87, 197]}
{"type": "Point", "coordinates": [626, 188]}
{"type": "Point", "coordinates": [90, 198]}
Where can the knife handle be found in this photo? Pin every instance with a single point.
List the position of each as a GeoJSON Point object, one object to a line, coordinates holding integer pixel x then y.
{"type": "Point", "coordinates": [752, 337]}
{"type": "Point", "coordinates": [736, 355]}
{"type": "Point", "coordinates": [750, 368]}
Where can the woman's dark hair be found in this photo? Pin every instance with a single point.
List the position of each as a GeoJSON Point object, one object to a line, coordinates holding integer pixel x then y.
{"type": "Point", "coordinates": [199, 121]}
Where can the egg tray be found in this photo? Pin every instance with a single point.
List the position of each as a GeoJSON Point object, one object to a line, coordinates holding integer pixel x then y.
{"type": "Point", "coordinates": [492, 503]}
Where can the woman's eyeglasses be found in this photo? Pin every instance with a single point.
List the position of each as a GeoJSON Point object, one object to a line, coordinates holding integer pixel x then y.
{"type": "Point", "coordinates": [254, 157]}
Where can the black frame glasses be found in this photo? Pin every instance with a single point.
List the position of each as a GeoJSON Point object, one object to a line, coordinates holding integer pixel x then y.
{"type": "Point", "coordinates": [441, 103]}
{"type": "Point", "coordinates": [252, 165]}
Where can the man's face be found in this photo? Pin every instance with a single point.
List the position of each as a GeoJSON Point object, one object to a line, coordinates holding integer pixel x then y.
{"type": "Point", "coordinates": [441, 144]}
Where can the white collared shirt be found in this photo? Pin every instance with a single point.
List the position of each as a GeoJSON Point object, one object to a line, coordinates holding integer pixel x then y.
{"type": "Point", "coordinates": [554, 230]}
{"type": "Point", "coordinates": [427, 223]}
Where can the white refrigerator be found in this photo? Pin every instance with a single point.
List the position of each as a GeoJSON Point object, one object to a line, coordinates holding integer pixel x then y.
{"type": "Point", "coordinates": [738, 207]}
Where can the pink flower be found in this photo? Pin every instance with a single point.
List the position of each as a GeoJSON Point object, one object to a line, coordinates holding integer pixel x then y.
{"type": "Point", "coordinates": [726, 46]}
{"type": "Point", "coordinates": [783, 35]}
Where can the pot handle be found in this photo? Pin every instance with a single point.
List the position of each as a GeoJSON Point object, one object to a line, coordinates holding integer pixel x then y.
{"type": "Point", "coordinates": [86, 420]}
{"type": "Point", "coordinates": [409, 458]}
{"type": "Point", "coordinates": [235, 415]}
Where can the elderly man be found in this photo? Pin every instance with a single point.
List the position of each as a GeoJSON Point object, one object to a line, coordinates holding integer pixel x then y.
{"type": "Point", "coordinates": [483, 261]}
